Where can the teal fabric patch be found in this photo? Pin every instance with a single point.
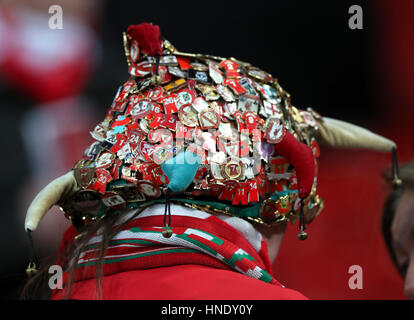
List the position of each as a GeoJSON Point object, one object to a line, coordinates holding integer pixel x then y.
{"type": "Point", "coordinates": [180, 170]}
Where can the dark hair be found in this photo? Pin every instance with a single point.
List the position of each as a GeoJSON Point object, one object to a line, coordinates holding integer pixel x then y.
{"type": "Point", "coordinates": [37, 287]}
{"type": "Point", "coordinates": [388, 214]}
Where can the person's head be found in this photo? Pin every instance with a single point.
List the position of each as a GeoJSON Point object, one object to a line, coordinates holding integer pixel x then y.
{"type": "Point", "coordinates": [256, 154]}
{"type": "Point", "coordinates": [398, 227]}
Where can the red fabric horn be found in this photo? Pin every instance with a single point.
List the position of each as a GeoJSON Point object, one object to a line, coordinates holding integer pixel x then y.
{"type": "Point", "coordinates": [148, 37]}
{"type": "Point", "coordinates": [301, 157]}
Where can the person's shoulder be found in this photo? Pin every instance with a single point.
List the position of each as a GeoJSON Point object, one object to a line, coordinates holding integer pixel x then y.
{"type": "Point", "coordinates": [195, 282]}
{"type": "Point", "coordinates": [183, 282]}
{"type": "Point", "coordinates": [234, 285]}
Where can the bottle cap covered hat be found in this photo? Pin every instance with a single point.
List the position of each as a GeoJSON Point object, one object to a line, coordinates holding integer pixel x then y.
{"type": "Point", "coordinates": [217, 134]}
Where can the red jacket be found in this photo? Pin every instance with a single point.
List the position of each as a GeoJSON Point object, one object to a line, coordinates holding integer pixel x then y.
{"type": "Point", "coordinates": [183, 282]}
{"type": "Point", "coordinates": [205, 259]}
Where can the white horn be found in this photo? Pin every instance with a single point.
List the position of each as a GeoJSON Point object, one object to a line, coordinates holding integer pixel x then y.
{"type": "Point", "coordinates": [50, 195]}
{"type": "Point", "coordinates": [340, 134]}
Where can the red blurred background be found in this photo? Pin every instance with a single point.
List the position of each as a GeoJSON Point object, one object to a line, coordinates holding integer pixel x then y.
{"type": "Point", "coordinates": [362, 76]}
{"type": "Point", "coordinates": [348, 230]}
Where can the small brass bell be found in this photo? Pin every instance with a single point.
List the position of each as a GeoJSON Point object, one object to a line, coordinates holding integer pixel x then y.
{"type": "Point", "coordinates": [156, 80]}
{"type": "Point", "coordinates": [302, 235]}
{"type": "Point", "coordinates": [31, 269]}
{"type": "Point", "coordinates": [397, 182]}
{"type": "Point", "coordinates": [167, 232]}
